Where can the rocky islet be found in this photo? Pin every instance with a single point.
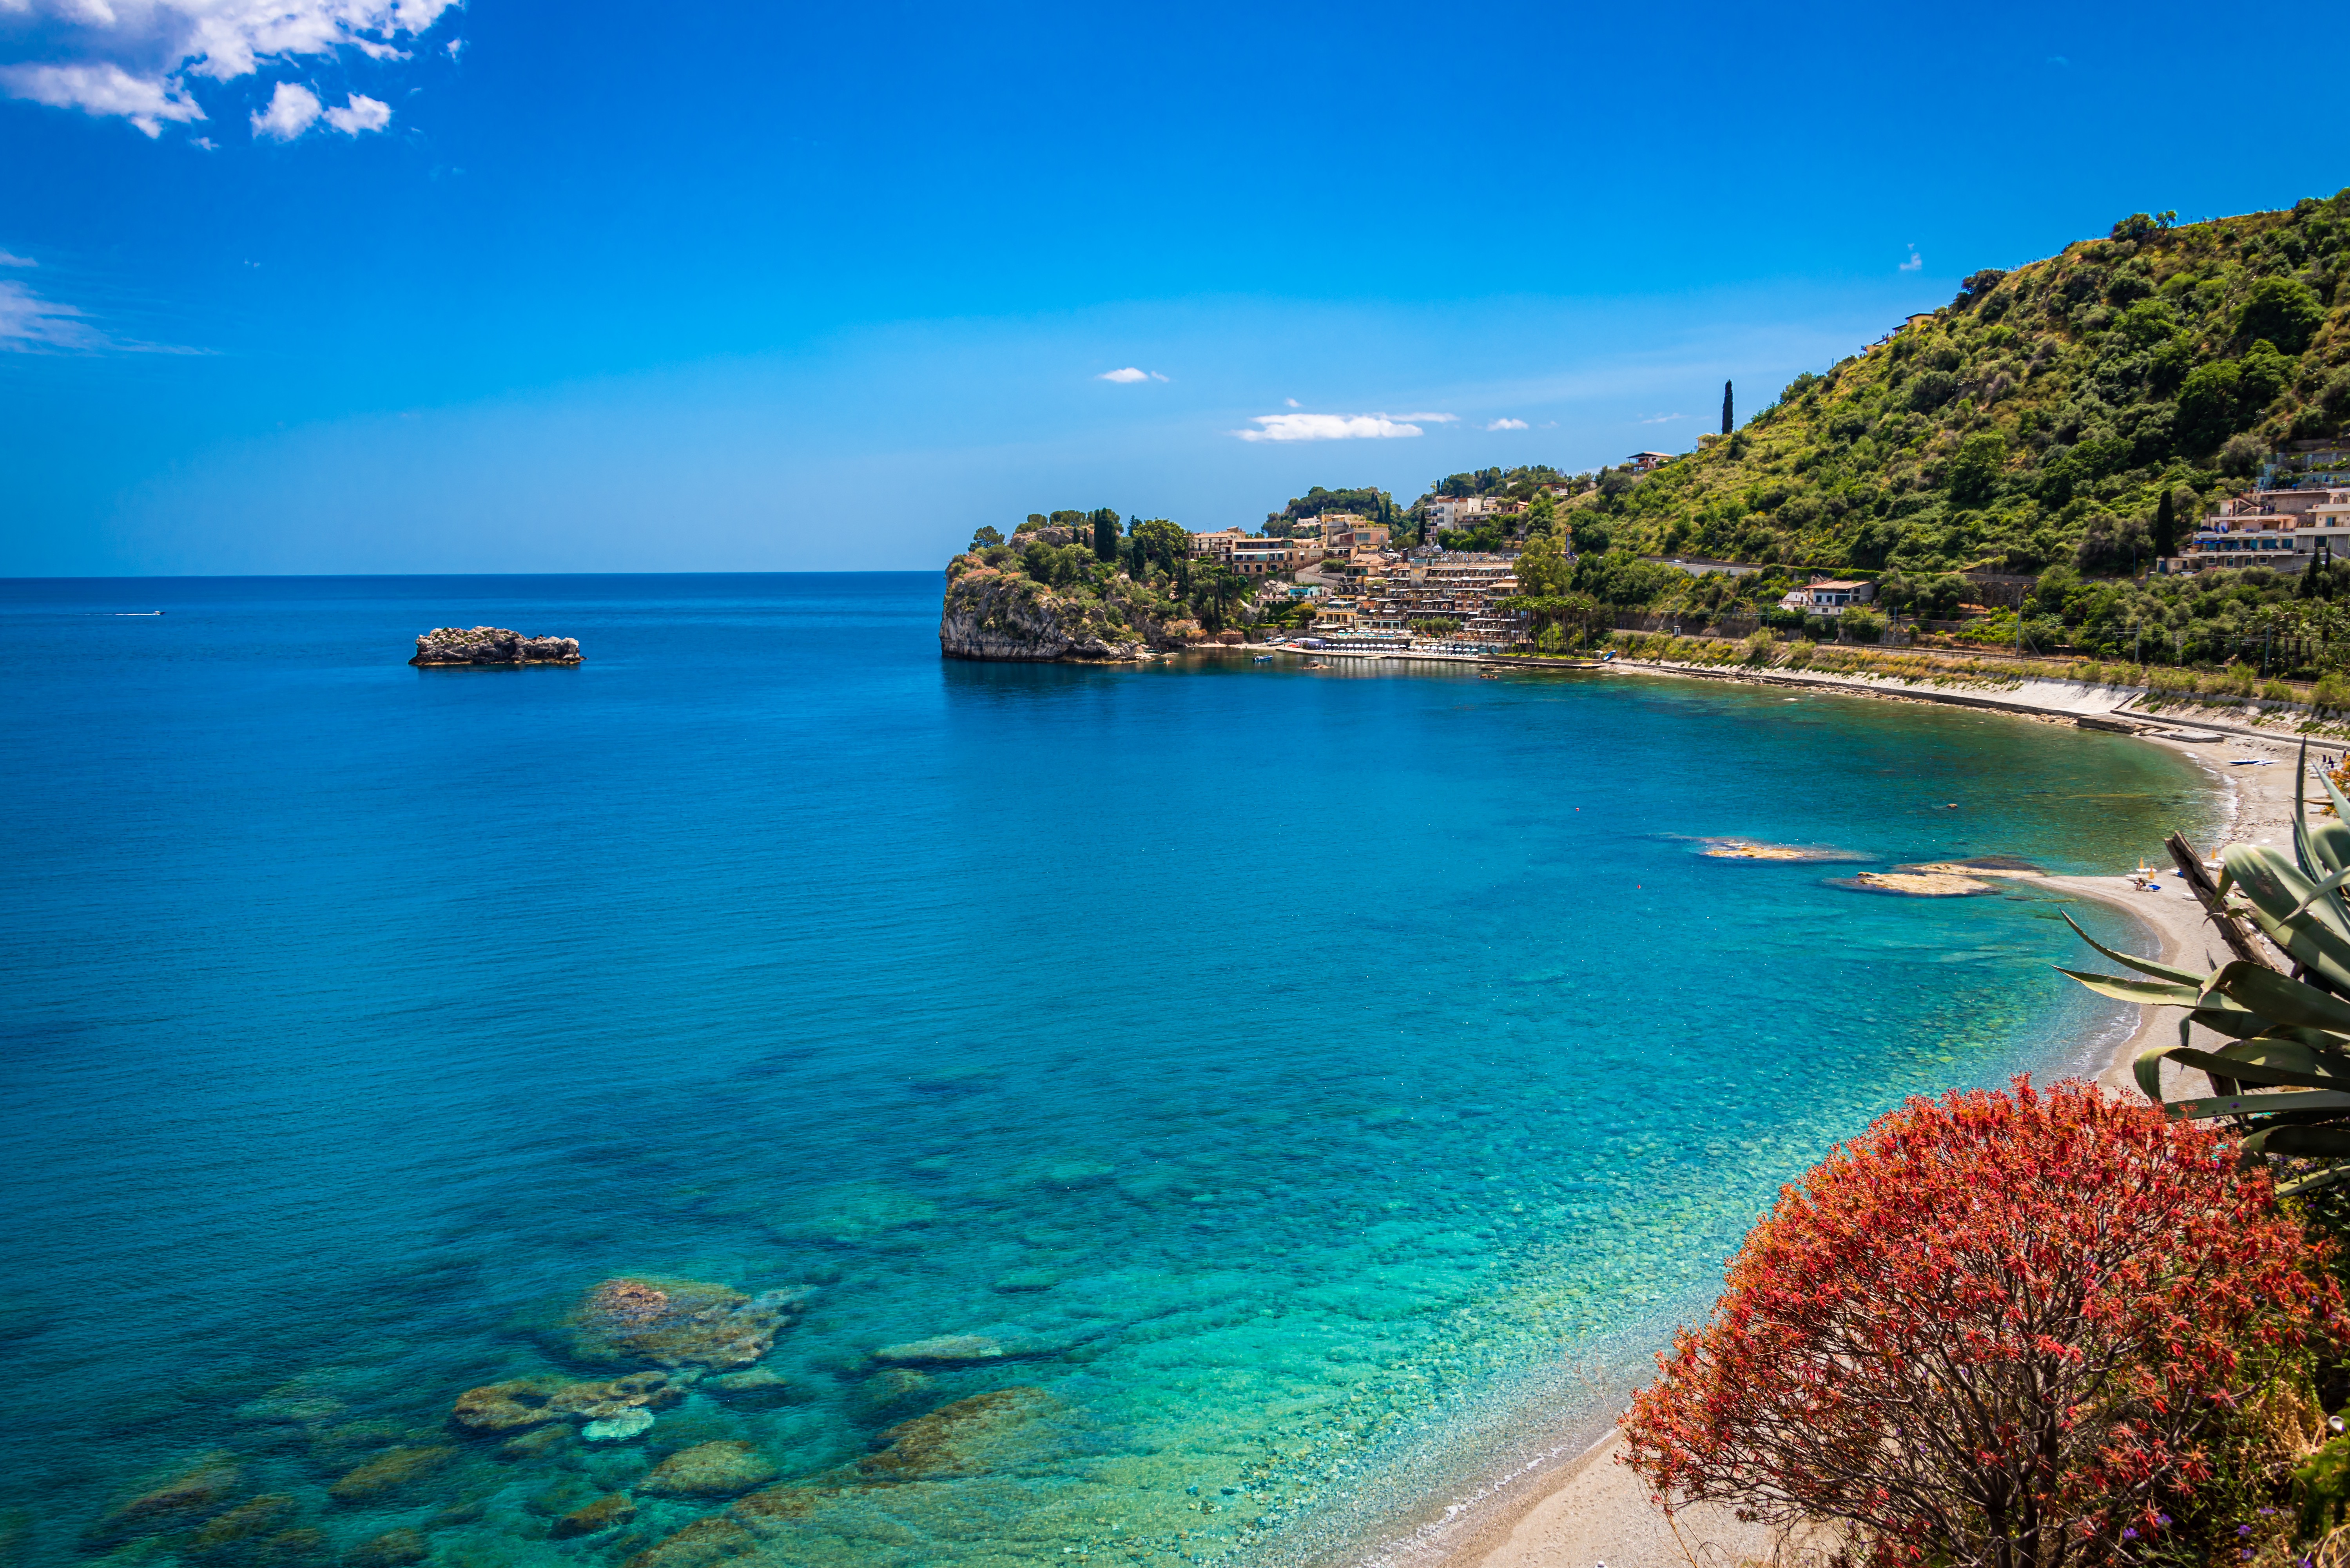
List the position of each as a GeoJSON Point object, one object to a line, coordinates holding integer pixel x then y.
{"type": "Point", "coordinates": [451, 646]}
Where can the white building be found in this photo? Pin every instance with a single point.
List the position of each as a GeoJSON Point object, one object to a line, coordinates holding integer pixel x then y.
{"type": "Point", "coordinates": [1823, 595]}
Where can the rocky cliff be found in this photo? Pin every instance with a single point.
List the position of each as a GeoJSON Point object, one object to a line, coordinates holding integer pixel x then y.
{"type": "Point", "coordinates": [997, 609]}
{"type": "Point", "coordinates": [450, 645]}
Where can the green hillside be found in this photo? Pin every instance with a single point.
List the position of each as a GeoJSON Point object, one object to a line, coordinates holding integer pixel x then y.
{"type": "Point", "coordinates": [2037, 419]}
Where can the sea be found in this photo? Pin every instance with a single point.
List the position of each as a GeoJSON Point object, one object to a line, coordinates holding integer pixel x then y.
{"type": "Point", "coordinates": [1283, 1100]}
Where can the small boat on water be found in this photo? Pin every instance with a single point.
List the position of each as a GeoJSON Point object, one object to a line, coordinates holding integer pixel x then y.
{"type": "Point", "coordinates": [1316, 664]}
{"type": "Point", "coordinates": [1261, 659]}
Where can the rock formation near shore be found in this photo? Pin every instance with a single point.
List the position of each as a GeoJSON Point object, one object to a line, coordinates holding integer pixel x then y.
{"type": "Point", "coordinates": [998, 607]}
{"type": "Point", "coordinates": [448, 645]}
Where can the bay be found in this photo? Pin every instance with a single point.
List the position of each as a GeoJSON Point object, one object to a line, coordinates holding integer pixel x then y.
{"type": "Point", "coordinates": [1319, 1085]}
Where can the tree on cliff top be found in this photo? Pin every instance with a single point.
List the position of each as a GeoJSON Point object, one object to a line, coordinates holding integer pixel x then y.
{"type": "Point", "coordinates": [1994, 1330]}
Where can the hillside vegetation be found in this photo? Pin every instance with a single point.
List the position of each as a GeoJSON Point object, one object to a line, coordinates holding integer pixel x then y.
{"type": "Point", "coordinates": [2037, 419]}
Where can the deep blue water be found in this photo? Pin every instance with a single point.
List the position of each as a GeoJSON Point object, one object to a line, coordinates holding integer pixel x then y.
{"type": "Point", "coordinates": [1306, 1077]}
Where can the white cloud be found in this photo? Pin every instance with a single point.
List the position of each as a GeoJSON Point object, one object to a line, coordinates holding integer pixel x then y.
{"type": "Point", "coordinates": [1292, 402]}
{"type": "Point", "coordinates": [1125, 378]}
{"type": "Point", "coordinates": [293, 110]}
{"type": "Point", "coordinates": [1507, 425]}
{"type": "Point", "coordinates": [9, 260]}
{"type": "Point", "coordinates": [28, 322]}
{"type": "Point", "coordinates": [361, 113]}
{"type": "Point", "coordinates": [134, 58]}
{"type": "Point", "coordinates": [1662, 419]}
{"type": "Point", "coordinates": [1915, 261]}
{"type": "Point", "coordinates": [1328, 427]}
{"type": "Point", "coordinates": [103, 88]}
{"type": "Point", "coordinates": [1424, 419]}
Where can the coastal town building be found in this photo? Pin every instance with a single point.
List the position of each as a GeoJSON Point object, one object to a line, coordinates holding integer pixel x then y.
{"type": "Point", "coordinates": [1648, 462]}
{"type": "Point", "coordinates": [1350, 531]}
{"type": "Point", "coordinates": [2286, 528]}
{"type": "Point", "coordinates": [1824, 596]}
{"type": "Point", "coordinates": [1452, 511]}
{"type": "Point", "coordinates": [1255, 556]}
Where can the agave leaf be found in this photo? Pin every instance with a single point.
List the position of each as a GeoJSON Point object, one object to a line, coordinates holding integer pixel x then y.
{"type": "Point", "coordinates": [2304, 852]}
{"type": "Point", "coordinates": [2305, 1143]}
{"type": "Point", "coordinates": [2235, 1023]}
{"type": "Point", "coordinates": [2147, 1070]}
{"type": "Point", "coordinates": [2315, 1039]}
{"type": "Point", "coordinates": [2275, 996]}
{"type": "Point", "coordinates": [2330, 840]}
{"type": "Point", "coordinates": [2263, 1105]}
{"type": "Point", "coordinates": [2328, 885]}
{"type": "Point", "coordinates": [2147, 993]}
{"type": "Point", "coordinates": [2144, 966]}
{"type": "Point", "coordinates": [2314, 1181]}
{"type": "Point", "coordinates": [2315, 949]}
{"type": "Point", "coordinates": [2275, 1061]}
{"type": "Point", "coordinates": [2340, 806]}
{"type": "Point", "coordinates": [2278, 889]}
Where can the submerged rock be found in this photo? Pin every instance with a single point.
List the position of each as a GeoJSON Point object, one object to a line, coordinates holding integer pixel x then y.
{"type": "Point", "coordinates": [190, 1495]}
{"type": "Point", "coordinates": [677, 1323]}
{"type": "Point", "coordinates": [339, 1446]}
{"type": "Point", "coordinates": [725, 1468]}
{"type": "Point", "coordinates": [535, 1444]}
{"type": "Point", "coordinates": [392, 1549]}
{"type": "Point", "coordinates": [525, 1402]}
{"type": "Point", "coordinates": [757, 1385]}
{"type": "Point", "coordinates": [1916, 883]}
{"type": "Point", "coordinates": [969, 1436]}
{"type": "Point", "coordinates": [606, 1512]}
{"type": "Point", "coordinates": [700, 1544]}
{"type": "Point", "coordinates": [391, 1472]}
{"type": "Point", "coordinates": [778, 1505]}
{"type": "Point", "coordinates": [618, 1428]}
{"type": "Point", "coordinates": [945, 1350]}
{"type": "Point", "coordinates": [289, 1409]}
{"type": "Point", "coordinates": [264, 1515]}
{"type": "Point", "coordinates": [450, 645]}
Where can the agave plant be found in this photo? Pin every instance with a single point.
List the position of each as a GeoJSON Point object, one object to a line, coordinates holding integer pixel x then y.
{"type": "Point", "coordinates": [2286, 1032]}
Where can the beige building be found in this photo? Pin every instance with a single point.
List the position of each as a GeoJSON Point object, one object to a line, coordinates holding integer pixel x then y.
{"type": "Point", "coordinates": [2281, 528]}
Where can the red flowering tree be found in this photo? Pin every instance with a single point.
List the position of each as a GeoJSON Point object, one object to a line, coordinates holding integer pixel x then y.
{"type": "Point", "coordinates": [1996, 1329]}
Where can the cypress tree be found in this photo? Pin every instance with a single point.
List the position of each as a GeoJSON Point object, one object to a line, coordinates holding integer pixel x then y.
{"type": "Point", "coordinates": [2166, 526]}
{"type": "Point", "coordinates": [1725, 407]}
{"type": "Point", "coordinates": [1106, 535]}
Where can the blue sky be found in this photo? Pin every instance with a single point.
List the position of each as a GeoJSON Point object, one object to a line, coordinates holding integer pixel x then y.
{"type": "Point", "coordinates": [328, 286]}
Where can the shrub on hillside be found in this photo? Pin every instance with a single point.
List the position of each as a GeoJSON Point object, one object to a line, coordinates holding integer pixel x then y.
{"type": "Point", "coordinates": [2012, 1329]}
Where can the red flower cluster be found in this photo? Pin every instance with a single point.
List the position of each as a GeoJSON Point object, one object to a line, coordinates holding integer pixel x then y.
{"type": "Point", "coordinates": [1995, 1329]}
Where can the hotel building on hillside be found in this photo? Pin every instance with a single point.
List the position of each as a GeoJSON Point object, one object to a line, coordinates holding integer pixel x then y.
{"type": "Point", "coordinates": [2281, 528]}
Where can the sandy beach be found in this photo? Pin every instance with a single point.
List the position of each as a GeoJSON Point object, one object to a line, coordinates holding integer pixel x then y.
{"type": "Point", "coordinates": [1591, 1510]}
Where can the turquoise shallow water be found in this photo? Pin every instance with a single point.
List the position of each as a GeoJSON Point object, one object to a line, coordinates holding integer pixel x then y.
{"type": "Point", "coordinates": [1321, 1087]}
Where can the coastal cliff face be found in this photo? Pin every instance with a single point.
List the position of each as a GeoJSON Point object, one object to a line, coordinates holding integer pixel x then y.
{"type": "Point", "coordinates": [996, 610]}
{"type": "Point", "coordinates": [990, 614]}
{"type": "Point", "coordinates": [449, 645]}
